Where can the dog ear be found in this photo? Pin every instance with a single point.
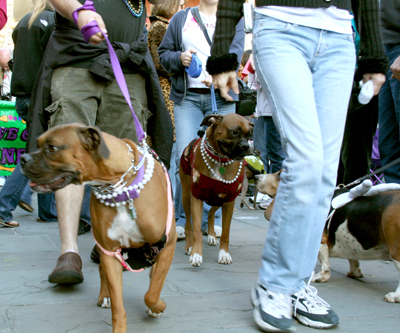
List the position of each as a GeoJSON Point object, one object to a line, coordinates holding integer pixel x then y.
{"type": "Point", "coordinates": [92, 139]}
{"type": "Point", "coordinates": [211, 119]}
{"type": "Point", "coordinates": [278, 174]}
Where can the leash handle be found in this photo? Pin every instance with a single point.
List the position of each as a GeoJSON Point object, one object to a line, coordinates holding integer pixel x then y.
{"type": "Point", "coordinates": [88, 31]}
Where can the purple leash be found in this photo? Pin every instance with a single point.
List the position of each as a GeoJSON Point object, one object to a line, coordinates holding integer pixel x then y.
{"type": "Point", "coordinates": [88, 31]}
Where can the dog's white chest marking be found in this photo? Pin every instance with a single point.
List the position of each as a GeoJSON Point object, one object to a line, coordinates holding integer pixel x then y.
{"type": "Point", "coordinates": [124, 229]}
{"type": "Point", "coordinates": [348, 247]}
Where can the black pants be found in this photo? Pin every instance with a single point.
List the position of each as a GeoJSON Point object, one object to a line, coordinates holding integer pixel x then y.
{"type": "Point", "coordinates": [360, 129]}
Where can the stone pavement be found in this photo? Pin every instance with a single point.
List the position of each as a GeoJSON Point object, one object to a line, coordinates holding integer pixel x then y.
{"type": "Point", "coordinates": [210, 298]}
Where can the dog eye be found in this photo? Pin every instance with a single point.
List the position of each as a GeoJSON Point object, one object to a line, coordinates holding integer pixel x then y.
{"type": "Point", "coordinates": [235, 133]}
{"type": "Point", "coordinates": [53, 149]}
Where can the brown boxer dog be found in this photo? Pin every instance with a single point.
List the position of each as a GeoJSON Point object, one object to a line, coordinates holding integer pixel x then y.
{"type": "Point", "coordinates": [77, 154]}
{"type": "Point", "coordinates": [211, 171]}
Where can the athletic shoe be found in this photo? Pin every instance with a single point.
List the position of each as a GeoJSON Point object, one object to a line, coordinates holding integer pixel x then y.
{"type": "Point", "coordinates": [217, 229]}
{"type": "Point", "coordinates": [273, 312]}
{"type": "Point", "coordinates": [311, 310]}
{"type": "Point", "coordinates": [264, 204]}
{"type": "Point", "coordinates": [259, 198]}
{"type": "Point", "coordinates": [180, 231]}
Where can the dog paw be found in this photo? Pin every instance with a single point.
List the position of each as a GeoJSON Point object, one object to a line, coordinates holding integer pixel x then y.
{"type": "Point", "coordinates": [196, 260]}
{"type": "Point", "coordinates": [153, 314]}
{"type": "Point", "coordinates": [392, 297]}
{"type": "Point", "coordinates": [356, 273]}
{"type": "Point", "coordinates": [224, 258]}
{"type": "Point", "coordinates": [188, 251]}
{"type": "Point", "coordinates": [321, 277]}
{"type": "Point", "coordinates": [104, 303]}
{"type": "Point", "coordinates": [212, 240]}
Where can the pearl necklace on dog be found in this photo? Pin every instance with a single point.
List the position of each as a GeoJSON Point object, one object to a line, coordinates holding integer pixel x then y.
{"type": "Point", "coordinates": [207, 152]}
{"type": "Point", "coordinates": [119, 194]}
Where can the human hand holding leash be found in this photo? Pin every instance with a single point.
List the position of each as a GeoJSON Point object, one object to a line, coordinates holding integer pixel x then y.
{"type": "Point", "coordinates": [378, 80]}
{"type": "Point", "coordinates": [224, 82]}
{"type": "Point", "coordinates": [86, 16]}
{"type": "Point", "coordinates": [67, 8]}
{"type": "Point", "coordinates": [186, 57]}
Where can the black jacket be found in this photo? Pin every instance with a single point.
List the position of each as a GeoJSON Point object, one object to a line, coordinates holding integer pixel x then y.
{"type": "Point", "coordinates": [390, 15]}
{"type": "Point", "coordinates": [29, 47]}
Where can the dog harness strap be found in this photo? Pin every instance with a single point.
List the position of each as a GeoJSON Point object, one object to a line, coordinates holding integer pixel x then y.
{"type": "Point", "coordinates": [117, 254]}
{"type": "Point", "coordinates": [88, 31]}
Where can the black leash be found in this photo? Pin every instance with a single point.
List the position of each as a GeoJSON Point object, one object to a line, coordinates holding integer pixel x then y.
{"type": "Point", "coordinates": [359, 180]}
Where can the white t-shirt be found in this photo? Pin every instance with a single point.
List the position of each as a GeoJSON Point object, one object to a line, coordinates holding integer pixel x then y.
{"type": "Point", "coordinates": [6, 83]}
{"type": "Point", "coordinates": [194, 39]}
{"type": "Point", "coordinates": [331, 18]}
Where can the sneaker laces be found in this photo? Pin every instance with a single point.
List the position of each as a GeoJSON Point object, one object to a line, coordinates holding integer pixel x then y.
{"type": "Point", "coordinates": [310, 295]}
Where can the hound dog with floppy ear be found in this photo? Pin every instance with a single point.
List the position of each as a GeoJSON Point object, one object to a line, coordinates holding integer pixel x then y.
{"type": "Point", "coordinates": [366, 228]}
{"type": "Point", "coordinates": [131, 211]}
{"type": "Point", "coordinates": [211, 171]}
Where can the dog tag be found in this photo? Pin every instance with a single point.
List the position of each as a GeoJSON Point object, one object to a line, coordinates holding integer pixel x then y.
{"type": "Point", "coordinates": [133, 213]}
{"type": "Point", "coordinates": [222, 170]}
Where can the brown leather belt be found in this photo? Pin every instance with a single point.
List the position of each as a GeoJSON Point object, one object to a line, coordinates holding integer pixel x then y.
{"type": "Point", "coordinates": [202, 91]}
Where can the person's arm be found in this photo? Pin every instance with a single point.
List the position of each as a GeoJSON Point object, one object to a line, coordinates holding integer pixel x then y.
{"type": "Point", "coordinates": [222, 64]}
{"type": "Point", "coordinates": [169, 50]}
{"type": "Point", "coordinates": [67, 7]}
{"type": "Point", "coordinates": [372, 62]}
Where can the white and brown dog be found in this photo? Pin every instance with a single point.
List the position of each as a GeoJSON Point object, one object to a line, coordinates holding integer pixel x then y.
{"type": "Point", "coordinates": [211, 171]}
{"type": "Point", "coordinates": [366, 228]}
{"type": "Point", "coordinates": [137, 231]}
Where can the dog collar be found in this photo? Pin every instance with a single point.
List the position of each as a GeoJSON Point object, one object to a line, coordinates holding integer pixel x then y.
{"type": "Point", "coordinates": [207, 154]}
{"type": "Point", "coordinates": [120, 194]}
{"type": "Point", "coordinates": [208, 150]}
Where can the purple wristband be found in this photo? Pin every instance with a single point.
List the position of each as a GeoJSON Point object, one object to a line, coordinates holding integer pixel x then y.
{"type": "Point", "coordinates": [87, 6]}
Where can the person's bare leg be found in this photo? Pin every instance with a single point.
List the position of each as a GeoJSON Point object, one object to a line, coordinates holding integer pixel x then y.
{"type": "Point", "coordinates": [69, 265]}
{"type": "Point", "coordinates": [69, 203]}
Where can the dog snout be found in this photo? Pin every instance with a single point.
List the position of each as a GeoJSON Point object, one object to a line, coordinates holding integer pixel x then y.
{"type": "Point", "coordinates": [25, 159]}
{"type": "Point", "coordinates": [257, 177]}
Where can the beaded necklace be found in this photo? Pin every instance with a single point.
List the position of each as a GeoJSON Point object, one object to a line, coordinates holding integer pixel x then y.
{"type": "Point", "coordinates": [120, 194]}
{"type": "Point", "coordinates": [135, 12]}
{"type": "Point", "coordinates": [208, 155]}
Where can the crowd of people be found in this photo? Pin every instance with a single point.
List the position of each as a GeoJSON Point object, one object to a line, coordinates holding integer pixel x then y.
{"type": "Point", "coordinates": [306, 63]}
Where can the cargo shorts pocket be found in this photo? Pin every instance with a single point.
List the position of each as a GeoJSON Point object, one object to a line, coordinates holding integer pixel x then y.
{"type": "Point", "coordinates": [55, 114]}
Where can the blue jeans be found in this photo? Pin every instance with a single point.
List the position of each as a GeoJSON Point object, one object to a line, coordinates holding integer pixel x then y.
{"type": "Point", "coordinates": [307, 74]}
{"type": "Point", "coordinates": [389, 119]}
{"type": "Point", "coordinates": [188, 117]}
{"type": "Point", "coordinates": [22, 107]}
{"type": "Point", "coordinates": [12, 193]}
{"type": "Point", "coordinates": [267, 140]}
{"type": "Point", "coordinates": [10, 196]}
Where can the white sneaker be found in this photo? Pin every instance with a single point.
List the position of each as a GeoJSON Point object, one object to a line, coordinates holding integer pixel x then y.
{"type": "Point", "coordinates": [217, 229]}
{"type": "Point", "coordinates": [180, 231]}
{"type": "Point", "coordinates": [311, 310]}
{"type": "Point", "coordinates": [273, 312]}
{"type": "Point", "coordinates": [259, 197]}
